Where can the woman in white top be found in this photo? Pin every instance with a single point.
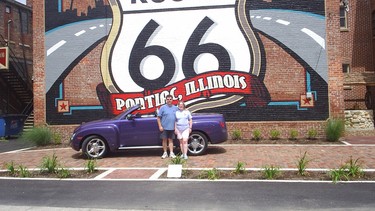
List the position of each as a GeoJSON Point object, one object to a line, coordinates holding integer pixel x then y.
{"type": "Point", "coordinates": [183, 127]}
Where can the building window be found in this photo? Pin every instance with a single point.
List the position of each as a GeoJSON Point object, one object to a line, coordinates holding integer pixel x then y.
{"type": "Point", "coordinates": [7, 9]}
{"type": "Point", "coordinates": [345, 68]}
{"type": "Point", "coordinates": [343, 17]}
{"type": "Point", "coordinates": [25, 23]}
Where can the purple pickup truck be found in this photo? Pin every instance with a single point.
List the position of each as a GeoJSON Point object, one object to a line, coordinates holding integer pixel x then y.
{"type": "Point", "coordinates": [131, 130]}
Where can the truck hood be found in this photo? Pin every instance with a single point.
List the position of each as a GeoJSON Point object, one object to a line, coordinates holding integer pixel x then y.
{"type": "Point", "coordinates": [92, 124]}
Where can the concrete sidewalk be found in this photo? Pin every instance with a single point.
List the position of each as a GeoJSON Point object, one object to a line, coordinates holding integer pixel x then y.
{"type": "Point", "coordinates": [143, 164]}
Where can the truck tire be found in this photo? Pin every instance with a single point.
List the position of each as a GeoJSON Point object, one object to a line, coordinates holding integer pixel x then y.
{"type": "Point", "coordinates": [94, 147]}
{"type": "Point", "coordinates": [197, 143]}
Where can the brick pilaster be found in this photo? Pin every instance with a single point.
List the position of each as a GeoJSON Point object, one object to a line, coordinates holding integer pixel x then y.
{"type": "Point", "coordinates": [39, 84]}
{"type": "Point", "coordinates": [335, 74]}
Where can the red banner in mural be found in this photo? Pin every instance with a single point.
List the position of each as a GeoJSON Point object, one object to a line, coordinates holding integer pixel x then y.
{"type": "Point", "coordinates": [205, 85]}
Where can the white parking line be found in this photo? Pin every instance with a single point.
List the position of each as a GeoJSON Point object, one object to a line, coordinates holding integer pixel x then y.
{"type": "Point", "coordinates": [158, 173]}
{"type": "Point", "coordinates": [104, 174]}
{"type": "Point", "coordinates": [93, 27]}
{"type": "Point", "coordinates": [346, 143]}
{"type": "Point", "coordinates": [55, 47]}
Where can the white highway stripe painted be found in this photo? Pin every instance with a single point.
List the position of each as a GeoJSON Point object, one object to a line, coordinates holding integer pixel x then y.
{"type": "Point", "coordinates": [80, 33]}
{"type": "Point", "coordinates": [62, 42]}
{"type": "Point", "coordinates": [315, 36]}
{"type": "Point", "coordinates": [283, 22]}
{"type": "Point", "coordinates": [55, 47]}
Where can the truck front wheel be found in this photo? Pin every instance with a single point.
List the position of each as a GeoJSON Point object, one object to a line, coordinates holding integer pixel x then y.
{"type": "Point", "coordinates": [94, 147]}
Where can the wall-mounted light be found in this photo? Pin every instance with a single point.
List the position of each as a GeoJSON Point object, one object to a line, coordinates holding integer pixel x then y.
{"type": "Point", "coordinates": [9, 21]}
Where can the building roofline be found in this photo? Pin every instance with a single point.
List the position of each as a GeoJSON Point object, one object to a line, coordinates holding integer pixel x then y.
{"type": "Point", "coordinates": [18, 4]}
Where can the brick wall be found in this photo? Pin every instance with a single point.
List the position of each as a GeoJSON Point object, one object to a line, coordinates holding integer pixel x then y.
{"type": "Point", "coordinates": [247, 128]}
{"type": "Point", "coordinates": [20, 50]}
{"type": "Point", "coordinates": [355, 97]}
{"type": "Point", "coordinates": [39, 64]}
{"type": "Point", "coordinates": [357, 49]}
{"type": "Point", "coordinates": [335, 75]}
{"type": "Point", "coordinates": [20, 41]}
{"type": "Point", "coordinates": [335, 81]}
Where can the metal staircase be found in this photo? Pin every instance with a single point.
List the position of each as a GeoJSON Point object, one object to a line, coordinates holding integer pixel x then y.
{"type": "Point", "coordinates": [29, 122]}
{"type": "Point", "coordinates": [17, 84]}
{"type": "Point", "coordinates": [18, 81]}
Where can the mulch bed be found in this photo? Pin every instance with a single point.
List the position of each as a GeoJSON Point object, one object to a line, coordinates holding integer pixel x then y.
{"type": "Point", "coordinates": [349, 133]}
{"type": "Point", "coordinates": [74, 174]}
{"type": "Point", "coordinates": [280, 141]}
{"type": "Point", "coordinates": [258, 175]}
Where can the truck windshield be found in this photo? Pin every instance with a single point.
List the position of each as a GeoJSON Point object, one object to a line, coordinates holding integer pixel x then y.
{"type": "Point", "coordinates": [120, 115]}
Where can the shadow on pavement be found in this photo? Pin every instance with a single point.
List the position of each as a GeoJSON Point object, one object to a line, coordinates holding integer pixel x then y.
{"type": "Point", "coordinates": [14, 143]}
{"type": "Point", "coordinates": [147, 152]}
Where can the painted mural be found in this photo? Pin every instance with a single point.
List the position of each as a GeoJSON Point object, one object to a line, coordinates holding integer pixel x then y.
{"type": "Point", "coordinates": [251, 60]}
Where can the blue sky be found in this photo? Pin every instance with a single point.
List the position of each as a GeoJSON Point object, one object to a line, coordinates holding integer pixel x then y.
{"type": "Point", "coordinates": [22, 1]}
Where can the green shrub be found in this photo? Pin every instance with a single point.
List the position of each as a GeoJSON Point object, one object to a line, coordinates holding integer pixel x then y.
{"type": "Point", "coordinates": [335, 129]}
{"type": "Point", "coordinates": [302, 164]}
{"type": "Point", "coordinates": [40, 136]}
{"type": "Point", "coordinates": [293, 134]}
{"type": "Point", "coordinates": [63, 173]}
{"type": "Point", "coordinates": [10, 167]}
{"type": "Point", "coordinates": [240, 168]}
{"type": "Point", "coordinates": [90, 166]}
{"type": "Point", "coordinates": [311, 134]}
{"type": "Point", "coordinates": [211, 174]}
{"type": "Point", "coordinates": [178, 160]}
{"type": "Point", "coordinates": [56, 137]}
{"type": "Point", "coordinates": [237, 134]}
{"type": "Point", "coordinates": [338, 174]}
{"type": "Point", "coordinates": [353, 168]}
{"type": "Point", "coordinates": [348, 170]}
{"type": "Point", "coordinates": [49, 164]}
{"type": "Point", "coordinates": [257, 135]}
{"type": "Point", "coordinates": [271, 172]}
{"type": "Point", "coordinates": [275, 134]}
{"type": "Point", "coordinates": [23, 171]}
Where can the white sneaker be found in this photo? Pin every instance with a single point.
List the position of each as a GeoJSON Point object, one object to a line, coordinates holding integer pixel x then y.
{"type": "Point", "coordinates": [185, 157]}
{"type": "Point", "coordinates": [172, 155]}
{"type": "Point", "coordinates": [165, 155]}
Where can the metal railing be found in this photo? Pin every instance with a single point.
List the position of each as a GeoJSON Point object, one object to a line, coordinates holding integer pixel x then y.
{"type": "Point", "coordinates": [20, 69]}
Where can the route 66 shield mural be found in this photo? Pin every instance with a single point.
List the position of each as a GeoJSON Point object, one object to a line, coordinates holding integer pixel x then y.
{"type": "Point", "coordinates": [250, 60]}
{"type": "Point", "coordinates": [191, 56]}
